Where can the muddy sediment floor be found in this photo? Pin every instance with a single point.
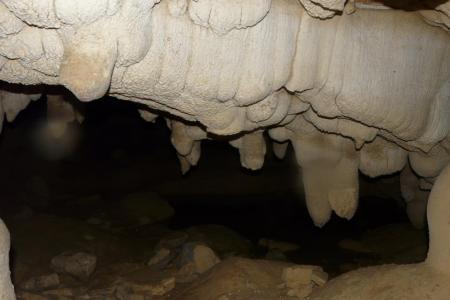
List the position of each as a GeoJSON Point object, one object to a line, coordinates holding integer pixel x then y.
{"type": "Point", "coordinates": [116, 193]}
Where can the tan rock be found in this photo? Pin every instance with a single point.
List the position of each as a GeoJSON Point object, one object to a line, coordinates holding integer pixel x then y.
{"type": "Point", "coordinates": [301, 279]}
{"type": "Point", "coordinates": [158, 260]}
{"type": "Point", "coordinates": [30, 296]}
{"type": "Point", "coordinates": [200, 256]}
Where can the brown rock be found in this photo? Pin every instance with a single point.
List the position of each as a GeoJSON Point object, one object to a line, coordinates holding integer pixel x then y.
{"type": "Point", "coordinates": [202, 257]}
{"type": "Point", "coordinates": [40, 283]}
{"type": "Point", "coordinates": [80, 265]}
{"type": "Point", "coordinates": [161, 258]}
{"type": "Point", "coordinates": [301, 280]}
{"type": "Point", "coordinates": [29, 296]}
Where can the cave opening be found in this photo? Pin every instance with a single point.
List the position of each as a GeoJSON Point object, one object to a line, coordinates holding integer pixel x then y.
{"type": "Point", "coordinates": [113, 189]}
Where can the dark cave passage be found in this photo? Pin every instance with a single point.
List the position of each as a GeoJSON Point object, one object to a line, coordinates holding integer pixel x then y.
{"type": "Point", "coordinates": [75, 202]}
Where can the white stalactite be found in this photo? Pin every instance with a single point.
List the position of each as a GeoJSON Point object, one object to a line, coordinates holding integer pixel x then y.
{"type": "Point", "coordinates": [330, 171]}
{"type": "Point", "coordinates": [187, 142]}
{"type": "Point", "coordinates": [280, 149]}
{"type": "Point", "coordinates": [415, 197]}
{"type": "Point", "coordinates": [252, 149]}
{"type": "Point", "coordinates": [14, 103]}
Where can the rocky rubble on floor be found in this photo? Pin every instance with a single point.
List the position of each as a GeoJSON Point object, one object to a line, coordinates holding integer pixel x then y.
{"type": "Point", "coordinates": [79, 265]}
{"type": "Point", "coordinates": [200, 263]}
{"type": "Point", "coordinates": [40, 283]}
{"type": "Point", "coordinates": [127, 290]}
{"type": "Point", "coordinates": [248, 279]}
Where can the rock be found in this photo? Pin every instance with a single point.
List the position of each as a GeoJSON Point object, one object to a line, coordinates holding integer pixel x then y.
{"type": "Point", "coordinates": [161, 258]}
{"type": "Point", "coordinates": [200, 256]}
{"type": "Point", "coordinates": [223, 240]}
{"type": "Point", "coordinates": [301, 280]}
{"type": "Point", "coordinates": [301, 291]}
{"type": "Point", "coordinates": [163, 287]}
{"type": "Point", "coordinates": [40, 283]}
{"type": "Point", "coordinates": [80, 265]}
{"type": "Point", "coordinates": [319, 277]}
{"type": "Point", "coordinates": [303, 275]}
{"type": "Point", "coordinates": [60, 293]}
{"type": "Point", "coordinates": [129, 291]}
{"type": "Point", "coordinates": [143, 208]}
{"type": "Point", "coordinates": [239, 278]}
{"type": "Point", "coordinates": [30, 296]}
{"type": "Point", "coordinates": [125, 292]}
{"type": "Point", "coordinates": [186, 273]}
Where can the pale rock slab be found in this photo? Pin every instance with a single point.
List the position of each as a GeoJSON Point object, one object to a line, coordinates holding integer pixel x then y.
{"type": "Point", "coordinates": [417, 281]}
{"type": "Point", "coordinates": [6, 287]}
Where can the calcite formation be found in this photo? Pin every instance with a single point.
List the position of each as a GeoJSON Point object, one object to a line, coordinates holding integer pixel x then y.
{"type": "Point", "coordinates": [353, 92]}
{"type": "Point", "coordinates": [239, 69]}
